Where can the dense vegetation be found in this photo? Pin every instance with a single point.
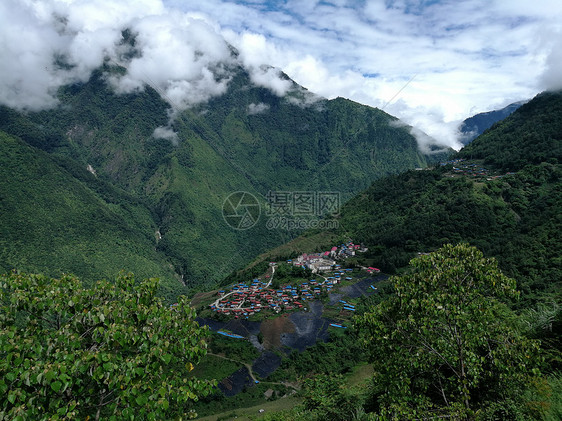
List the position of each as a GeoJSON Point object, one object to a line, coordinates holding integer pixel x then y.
{"type": "Point", "coordinates": [114, 351]}
{"type": "Point", "coordinates": [56, 217]}
{"type": "Point", "coordinates": [502, 194]}
{"type": "Point", "coordinates": [515, 217]}
{"type": "Point", "coordinates": [530, 136]}
{"type": "Point", "coordinates": [153, 206]}
{"type": "Point", "coordinates": [164, 196]}
{"type": "Point", "coordinates": [309, 143]}
{"type": "Point", "coordinates": [445, 345]}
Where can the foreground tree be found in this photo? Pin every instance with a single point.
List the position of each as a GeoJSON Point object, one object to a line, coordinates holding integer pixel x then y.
{"type": "Point", "coordinates": [445, 344]}
{"type": "Point", "coordinates": [328, 398]}
{"type": "Point", "coordinates": [114, 351]}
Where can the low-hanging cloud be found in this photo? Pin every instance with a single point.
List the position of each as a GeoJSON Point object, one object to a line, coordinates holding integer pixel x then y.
{"type": "Point", "coordinates": [52, 43]}
{"type": "Point", "coordinates": [182, 57]}
{"type": "Point", "coordinates": [28, 73]}
{"type": "Point", "coordinates": [437, 138]}
{"type": "Point", "coordinates": [258, 108]}
{"type": "Point", "coordinates": [467, 57]}
{"type": "Point", "coordinates": [254, 51]}
{"type": "Point", "coordinates": [166, 133]}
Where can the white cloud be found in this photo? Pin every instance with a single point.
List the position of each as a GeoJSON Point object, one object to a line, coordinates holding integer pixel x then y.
{"type": "Point", "coordinates": [270, 77]}
{"type": "Point", "coordinates": [165, 133]}
{"type": "Point", "coordinates": [181, 57]}
{"type": "Point", "coordinates": [180, 54]}
{"type": "Point", "coordinates": [27, 74]}
{"type": "Point", "coordinates": [255, 54]}
{"type": "Point", "coordinates": [551, 78]}
{"type": "Point", "coordinates": [466, 57]}
{"type": "Point", "coordinates": [258, 108]}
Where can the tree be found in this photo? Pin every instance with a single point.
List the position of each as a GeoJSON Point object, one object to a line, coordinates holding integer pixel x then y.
{"type": "Point", "coordinates": [445, 344]}
{"type": "Point", "coordinates": [327, 398]}
{"type": "Point", "coordinates": [114, 351]}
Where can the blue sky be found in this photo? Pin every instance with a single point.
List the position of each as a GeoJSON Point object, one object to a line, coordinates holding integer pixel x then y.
{"type": "Point", "coordinates": [430, 63]}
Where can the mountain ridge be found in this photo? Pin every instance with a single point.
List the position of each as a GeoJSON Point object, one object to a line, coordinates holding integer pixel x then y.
{"type": "Point", "coordinates": [474, 126]}
{"type": "Point", "coordinates": [500, 193]}
{"type": "Point", "coordinates": [229, 144]}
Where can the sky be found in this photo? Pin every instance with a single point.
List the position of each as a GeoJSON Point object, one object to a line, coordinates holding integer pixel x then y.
{"type": "Point", "coordinates": [431, 63]}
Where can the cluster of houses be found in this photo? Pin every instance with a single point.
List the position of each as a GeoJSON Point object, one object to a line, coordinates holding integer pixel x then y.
{"type": "Point", "coordinates": [471, 169]}
{"type": "Point", "coordinates": [243, 300]}
{"type": "Point", "coordinates": [326, 260]}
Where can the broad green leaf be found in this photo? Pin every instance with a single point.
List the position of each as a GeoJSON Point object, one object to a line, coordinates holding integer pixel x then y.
{"type": "Point", "coordinates": [11, 397]}
{"type": "Point", "coordinates": [56, 385]}
{"type": "Point", "coordinates": [141, 400]}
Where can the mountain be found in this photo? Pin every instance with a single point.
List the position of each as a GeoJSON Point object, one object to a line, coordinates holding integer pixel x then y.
{"type": "Point", "coordinates": [474, 126]}
{"type": "Point", "coordinates": [56, 217]}
{"type": "Point", "coordinates": [170, 191]}
{"type": "Point", "coordinates": [501, 193]}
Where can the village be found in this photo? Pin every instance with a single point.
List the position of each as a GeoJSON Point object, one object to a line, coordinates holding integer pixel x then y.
{"type": "Point", "coordinates": [244, 300]}
{"type": "Point", "coordinates": [467, 168]}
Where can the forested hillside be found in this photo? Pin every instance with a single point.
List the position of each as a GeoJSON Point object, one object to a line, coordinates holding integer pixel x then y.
{"type": "Point", "coordinates": [474, 126]}
{"type": "Point", "coordinates": [530, 136]}
{"type": "Point", "coordinates": [247, 140]}
{"type": "Point", "coordinates": [58, 218]}
{"type": "Point", "coordinates": [502, 194]}
{"type": "Point", "coordinates": [459, 320]}
{"type": "Point", "coordinates": [305, 142]}
{"type": "Point", "coordinates": [511, 210]}
{"type": "Point", "coordinates": [430, 335]}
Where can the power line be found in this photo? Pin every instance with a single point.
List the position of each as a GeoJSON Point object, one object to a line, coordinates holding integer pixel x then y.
{"type": "Point", "coordinates": [398, 93]}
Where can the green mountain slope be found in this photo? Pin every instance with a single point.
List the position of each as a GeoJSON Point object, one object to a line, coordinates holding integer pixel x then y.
{"type": "Point", "coordinates": [183, 185]}
{"type": "Point", "coordinates": [533, 134]}
{"type": "Point", "coordinates": [221, 147]}
{"type": "Point", "coordinates": [337, 144]}
{"type": "Point", "coordinates": [516, 216]}
{"type": "Point", "coordinates": [58, 218]}
{"type": "Point", "coordinates": [474, 126]}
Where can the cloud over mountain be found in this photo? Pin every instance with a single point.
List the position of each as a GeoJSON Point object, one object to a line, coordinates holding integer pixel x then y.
{"type": "Point", "coordinates": [53, 43]}
{"type": "Point", "coordinates": [432, 64]}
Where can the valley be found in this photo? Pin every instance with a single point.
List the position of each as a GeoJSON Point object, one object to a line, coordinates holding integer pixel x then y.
{"type": "Point", "coordinates": [226, 212]}
{"type": "Point", "coordinates": [275, 338]}
{"type": "Point", "coordinates": [469, 198]}
{"type": "Point", "coordinates": [106, 142]}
